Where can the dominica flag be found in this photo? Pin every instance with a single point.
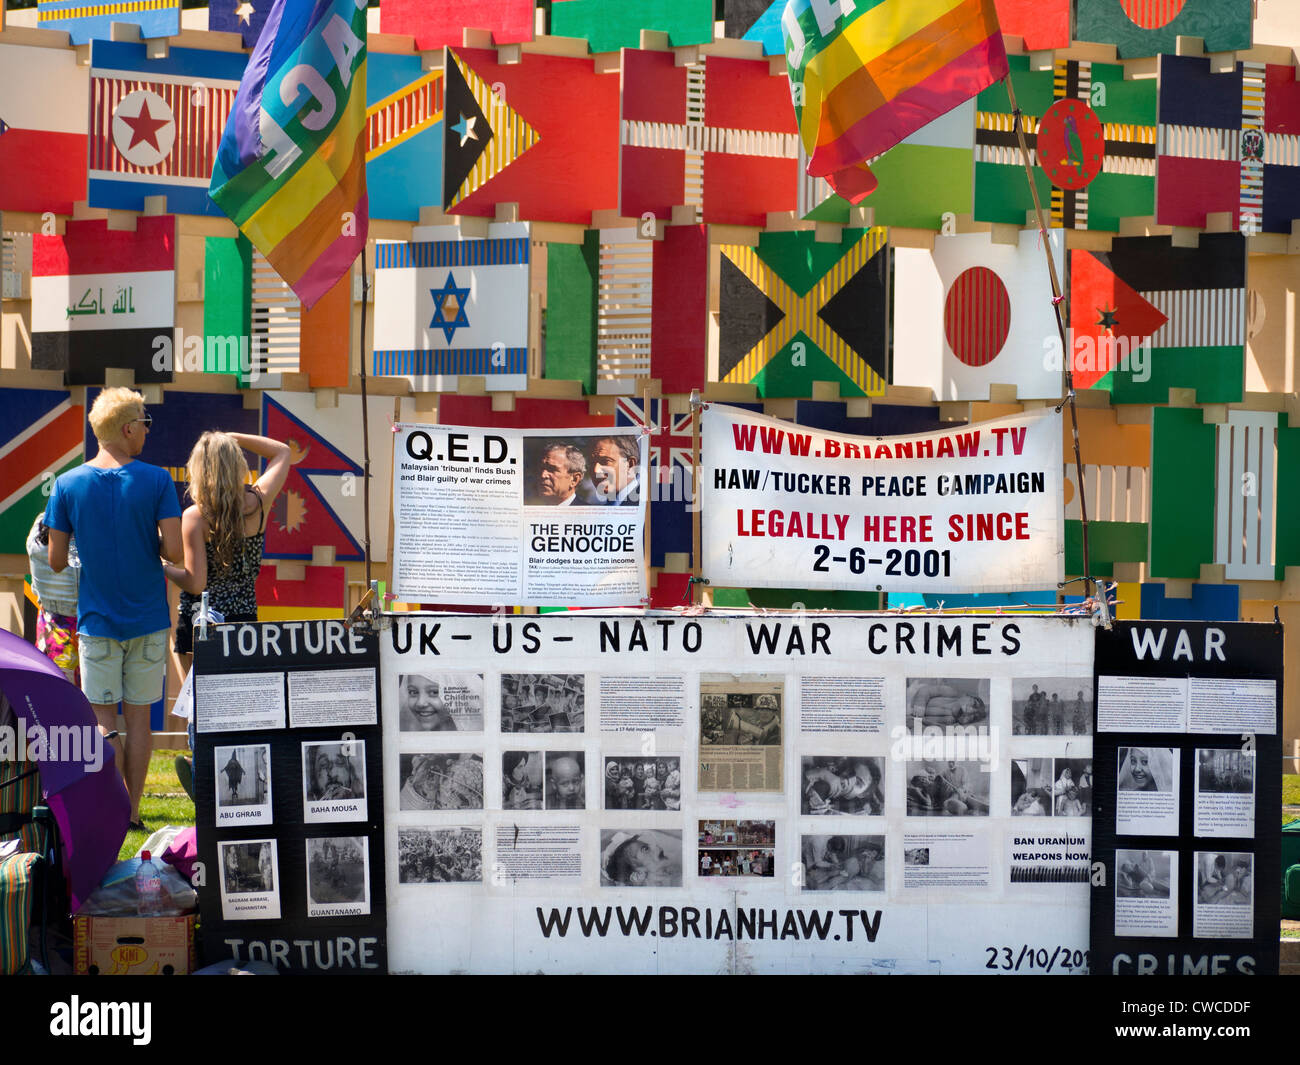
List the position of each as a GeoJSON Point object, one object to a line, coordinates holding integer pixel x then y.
{"type": "Point", "coordinates": [403, 135]}
{"type": "Point", "coordinates": [290, 170]}
{"type": "Point", "coordinates": [102, 298]}
{"type": "Point", "coordinates": [447, 305]}
{"type": "Point", "coordinates": [155, 124]}
{"type": "Point", "coordinates": [83, 21]}
{"type": "Point", "coordinates": [40, 438]}
{"type": "Point", "coordinates": [794, 311]}
{"type": "Point", "coordinates": [1092, 141]}
{"type": "Point", "coordinates": [863, 76]}
{"type": "Point", "coordinates": [42, 134]}
{"type": "Point", "coordinates": [1189, 305]}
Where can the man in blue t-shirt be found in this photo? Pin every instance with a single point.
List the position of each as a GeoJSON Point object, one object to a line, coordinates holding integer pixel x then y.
{"type": "Point", "coordinates": [117, 508]}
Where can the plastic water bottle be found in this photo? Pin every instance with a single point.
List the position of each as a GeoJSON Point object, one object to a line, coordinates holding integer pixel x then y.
{"type": "Point", "coordinates": [148, 887]}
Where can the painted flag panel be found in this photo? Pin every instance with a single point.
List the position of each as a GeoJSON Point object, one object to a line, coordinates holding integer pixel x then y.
{"type": "Point", "coordinates": [1182, 493]}
{"type": "Point", "coordinates": [42, 135]}
{"type": "Point", "coordinates": [611, 26]}
{"type": "Point", "coordinates": [1152, 27]}
{"type": "Point", "coordinates": [1042, 24]}
{"type": "Point", "coordinates": [244, 17]}
{"type": "Point", "coordinates": [291, 175]}
{"type": "Point", "coordinates": [756, 20]}
{"type": "Point", "coordinates": [1091, 136]}
{"type": "Point", "coordinates": [102, 298]}
{"type": "Point", "coordinates": [547, 139]}
{"type": "Point", "coordinates": [155, 124]}
{"type": "Point", "coordinates": [40, 438]}
{"type": "Point", "coordinates": [321, 594]}
{"type": "Point", "coordinates": [1201, 295]}
{"type": "Point", "coordinates": [84, 22]}
{"type": "Point", "coordinates": [434, 25]}
{"type": "Point", "coordinates": [671, 471]}
{"type": "Point", "coordinates": [322, 503]}
{"type": "Point", "coordinates": [978, 314]}
{"type": "Point", "coordinates": [866, 77]}
{"type": "Point", "coordinates": [795, 311]}
{"type": "Point", "coordinates": [404, 135]}
{"type": "Point", "coordinates": [447, 305]}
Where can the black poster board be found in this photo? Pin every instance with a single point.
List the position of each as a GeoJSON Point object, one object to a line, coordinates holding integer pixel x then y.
{"type": "Point", "coordinates": [1186, 844]}
{"type": "Point", "coordinates": [288, 779]}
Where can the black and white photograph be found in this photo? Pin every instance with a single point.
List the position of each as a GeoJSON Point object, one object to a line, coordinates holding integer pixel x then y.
{"type": "Point", "coordinates": [1145, 902]}
{"type": "Point", "coordinates": [439, 855]}
{"type": "Point", "coordinates": [243, 778]}
{"type": "Point", "coordinates": [440, 702]}
{"type": "Point", "coordinates": [627, 783]}
{"type": "Point", "coordinates": [543, 702]}
{"type": "Point", "coordinates": [1146, 769]}
{"type": "Point", "coordinates": [946, 703]}
{"type": "Point", "coordinates": [1051, 706]}
{"type": "Point", "coordinates": [843, 785]}
{"type": "Point", "coordinates": [338, 876]}
{"type": "Point", "coordinates": [521, 780]}
{"type": "Point", "coordinates": [640, 857]}
{"type": "Point", "coordinates": [440, 781]}
{"type": "Point", "coordinates": [953, 788]}
{"type": "Point", "coordinates": [916, 856]}
{"type": "Point", "coordinates": [1146, 800]}
{"type": "Point", "coordinates": [582, 471]}
{"type": "Point", "coordinates": [1072, 787]}
{"type": "Point", "coordinates": [737, 848]}
{"type": "Point", "coordinates": [843, 863]}
{"type": "Point", "coordinates": [1143, 874]}
{"type": "Point", "coordinates": [334, 781]}
{"type": "Point", "coordinates": [1031, 787]}
{"type": "Point", "coordinates": [566, 780]}
{"type": "Point", "coordinates": [1225, 793]}
{"type": "Point", "coordinates": [249, 880]}
{"type": "Point", "coordinates": [1225, 895]}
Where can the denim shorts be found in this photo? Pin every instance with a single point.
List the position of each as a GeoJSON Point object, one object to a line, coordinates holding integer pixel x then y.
{"type": "Point", "coordinates": [128, 671]}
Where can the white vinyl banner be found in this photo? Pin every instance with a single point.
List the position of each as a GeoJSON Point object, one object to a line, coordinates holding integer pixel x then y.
{"type": "Point", "coordinates": [531, 517]}
{"type": "Point", "coordinates": [972, 509]}
{"type": "Point", "coordinates": [731, 793]}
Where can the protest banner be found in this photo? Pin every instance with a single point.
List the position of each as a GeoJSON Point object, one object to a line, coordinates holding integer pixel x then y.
{"type": "Point", "coordinates": [525, 517]}
{"type": "Point", "coordinates": [972, 509]}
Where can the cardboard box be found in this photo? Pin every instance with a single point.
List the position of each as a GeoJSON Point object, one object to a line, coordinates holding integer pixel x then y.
{"type": "Point", "coordinates": [133, 946]}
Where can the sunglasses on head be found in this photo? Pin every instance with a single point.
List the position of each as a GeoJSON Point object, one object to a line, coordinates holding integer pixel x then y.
{"type": "Point", "coordinates": [147, 418]}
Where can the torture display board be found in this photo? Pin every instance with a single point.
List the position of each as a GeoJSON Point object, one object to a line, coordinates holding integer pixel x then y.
{"type": "Point", "coordinates": [289, 796]}
{"type": "Point", "coordinates": [667, 794]}
{"type": "Point", "coordinates": [1188, 756]}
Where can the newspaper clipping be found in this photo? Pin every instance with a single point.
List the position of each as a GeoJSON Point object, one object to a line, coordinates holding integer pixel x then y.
{"type": "Point", "coordinates": [532, 517]}
{"type": "Point", "coordinates": [742, 723]}
{"type": "Point", "coordinates": [949, 859]}
{"type": "Point", "coordinates": [642, 703]}
{"type": "Point", "coordinates": [842, 704]}
{"type": "Point", "coordinates": [539, 852]}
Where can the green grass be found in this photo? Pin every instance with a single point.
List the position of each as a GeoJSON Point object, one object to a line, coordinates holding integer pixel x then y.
{"type": "Point", "coordinates": [164, 801]}
{"type": "Point", "coordinates": [1291, 789]}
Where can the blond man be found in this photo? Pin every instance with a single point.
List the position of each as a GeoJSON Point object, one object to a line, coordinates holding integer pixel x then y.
{"type": "Point", "coordinates": [123, 513]}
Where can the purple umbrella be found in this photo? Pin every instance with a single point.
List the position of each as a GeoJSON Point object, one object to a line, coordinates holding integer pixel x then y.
{"type": "Point", "coordinates": [90, 804]}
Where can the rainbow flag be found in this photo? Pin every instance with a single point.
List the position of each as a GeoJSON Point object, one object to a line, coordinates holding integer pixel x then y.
{"type": "Point", "coordinates": [867, 74]}
{"type": "Point", "coordinates": [291, 167]}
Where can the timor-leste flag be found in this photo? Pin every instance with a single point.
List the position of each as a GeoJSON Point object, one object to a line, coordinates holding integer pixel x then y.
{"type": "Point", "coordinates": [864, 76]}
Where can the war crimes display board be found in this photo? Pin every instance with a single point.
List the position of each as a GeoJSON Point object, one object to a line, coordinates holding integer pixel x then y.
{"type": "Point", "coordinates": [665, 793]}
{"type": "Point", "coordinates": [531, 517]}
{"type": "Point", "coordinates": [1188, 772]}
{"type": "Point", "coordinates": [289, 796]}
{"type": "Point", "coordinates": [964, 510]}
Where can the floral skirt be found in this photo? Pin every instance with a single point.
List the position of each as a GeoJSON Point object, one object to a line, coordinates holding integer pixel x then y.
{"type": "Point", "coordinates": [56, 638]}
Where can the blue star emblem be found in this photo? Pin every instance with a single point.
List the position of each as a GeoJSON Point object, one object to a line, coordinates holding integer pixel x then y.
{"type": "Point", "coordinates": [449, 307]}
{"type": "Point", "coordinates": [465, 127]}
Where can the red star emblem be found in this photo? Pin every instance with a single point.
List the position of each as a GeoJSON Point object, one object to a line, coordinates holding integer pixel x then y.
{"type": "Point", "coordinates": [144, 127]}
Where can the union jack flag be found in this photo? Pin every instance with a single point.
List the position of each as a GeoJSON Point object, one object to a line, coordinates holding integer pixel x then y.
{"type": "Point", "coordinates": [672, 473]}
